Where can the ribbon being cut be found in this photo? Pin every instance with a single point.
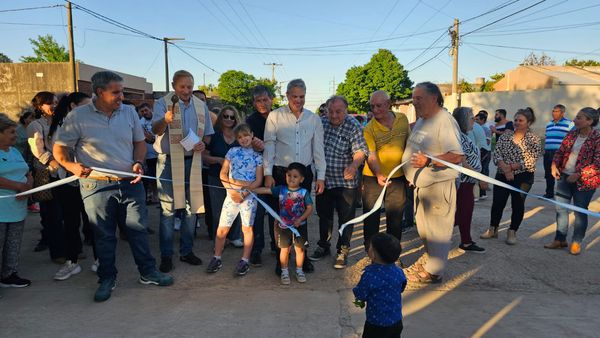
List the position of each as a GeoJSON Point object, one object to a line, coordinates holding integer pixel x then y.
{"type": "Point", "coordinates": [474, 174]}
{"type": "Point", "coordinates": [69, 179]}
{"type": "Point", "coordinates": [378, 203]}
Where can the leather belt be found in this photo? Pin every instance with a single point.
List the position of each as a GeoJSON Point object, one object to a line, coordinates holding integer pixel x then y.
{"type": "Point", "coordinates": [111, 179]}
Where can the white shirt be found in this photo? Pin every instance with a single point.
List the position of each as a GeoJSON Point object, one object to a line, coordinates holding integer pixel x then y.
{"type": "Point", "coordinates": [289, 139]}
{"type": "Point", "coordinates": [572, 161]}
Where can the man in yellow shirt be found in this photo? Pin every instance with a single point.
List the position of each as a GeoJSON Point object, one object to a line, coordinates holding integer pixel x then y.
{"type": "Point", "coordinates": [386, 136]}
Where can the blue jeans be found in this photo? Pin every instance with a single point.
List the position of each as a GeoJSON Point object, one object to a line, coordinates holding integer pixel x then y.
{"type": "Point", "coordinates": [566, 191]}
{"type": "Point", "coordinates": [167, 214]}
{"type": "Point", "coordinates": [107, 203]}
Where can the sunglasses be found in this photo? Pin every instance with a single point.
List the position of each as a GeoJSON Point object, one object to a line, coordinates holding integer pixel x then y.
{"type": "Point", "coordinates": [229, 117]}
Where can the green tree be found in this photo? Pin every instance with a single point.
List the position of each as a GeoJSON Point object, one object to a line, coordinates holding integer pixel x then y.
{"type": "Point", "coordinates": [46, 49]}
{"type": "Point", "coordinates": [210, 89]}
{"type": "Point", "coordinates": [384, 72]}
{"type": "Point", "coordinates": [465, 87]}
{"type": "Point", "coordinates": [582, 63]}
{"type": "Point", "coordinates": [235, 88]}
{"type": "Point", "coordinates": [488, 86]}
{"type": "Point", "coordinates": [4, 58]}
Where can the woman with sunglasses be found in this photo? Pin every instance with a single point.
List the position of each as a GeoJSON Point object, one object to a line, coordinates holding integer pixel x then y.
{"type": "Point", "coordinates": [220, 143]}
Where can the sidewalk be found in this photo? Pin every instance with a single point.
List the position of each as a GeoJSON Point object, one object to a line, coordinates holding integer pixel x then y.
{"type": "Point", "coordinates": [521, 290]}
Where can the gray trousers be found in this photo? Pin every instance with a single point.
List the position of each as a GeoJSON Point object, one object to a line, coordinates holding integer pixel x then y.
{"type": "Point", "coordinates": [11, 234]}
{"type": "Point", "coordinates": [435, 206]}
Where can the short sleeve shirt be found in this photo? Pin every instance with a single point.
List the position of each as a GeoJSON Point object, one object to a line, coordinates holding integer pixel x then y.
{"type": "Point", "coordinates": [292, 203]}
{"type": "Point", "coordinates": [12, 167]}
{"type": "Point", "coordinates": [436, 135]}
{"type": "Point", "coordinates": [243, 163]}
{"type": "Point", "coordinates": [99, 140]}
{"type": "Point", "coordinates": [388, 144]}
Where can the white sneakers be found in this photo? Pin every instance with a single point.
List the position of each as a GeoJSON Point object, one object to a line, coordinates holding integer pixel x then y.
{"type": "Point", "coordinates": [94, 266]}
{"type": "Point", "coordinates": [67, 270]}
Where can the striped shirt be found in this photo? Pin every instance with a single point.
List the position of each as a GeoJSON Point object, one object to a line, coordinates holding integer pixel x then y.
{"type": "Point", "coordinates": [556, 132]}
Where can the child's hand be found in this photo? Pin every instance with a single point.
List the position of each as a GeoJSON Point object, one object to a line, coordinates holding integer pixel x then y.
{"type": "Point", "coordinates": [359, 303]}
{"type": "Point", "coordinates": [235, 196]}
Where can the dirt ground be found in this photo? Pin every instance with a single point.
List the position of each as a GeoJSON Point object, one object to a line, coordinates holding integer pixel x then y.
{"type": "Point", "coordinates": [521, 290]}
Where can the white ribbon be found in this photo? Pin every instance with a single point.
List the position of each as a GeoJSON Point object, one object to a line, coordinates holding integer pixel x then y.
{"type": "Point", "coordinates": [129, 174]}
{"type": "Point", "coordinates": [473, 174]}
{"type": "Point", "coordinates": [378, 202]}
{"type": "Point", "coordinates": [275, 215]}
{"type": "Point", "coordinates": [43, 187]}
{"type": "Point", "coordinates": [493, 181]}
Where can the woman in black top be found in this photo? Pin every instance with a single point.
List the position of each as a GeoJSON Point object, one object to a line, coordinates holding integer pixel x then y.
{"type": "Point", "coordinates": [222, 140]}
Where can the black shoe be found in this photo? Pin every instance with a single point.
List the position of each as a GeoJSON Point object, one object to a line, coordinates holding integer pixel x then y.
{"type": "Point", "coordinates": [214, 265]}
{"type": "Point", "coordinates": [191, 259]}
{"type": "Point", "coordinates": [166, 264]}
{"type": "Point", "coordinates": [546, 195]}
{"type": "Point", "coordinates": [40, 247]}
{"type": "Point", "coordinates": [472, 248]}
{"type": "Point", "coordinates": [14, 281]}
{"type": "Point", "coordinates": [308, 267]}
{"type": "Point", "coordinates": [319, 253]}
{"type": "Point", "coordinates": [242, 268]}
{"type": "Point", "coordinates": [256, 259]}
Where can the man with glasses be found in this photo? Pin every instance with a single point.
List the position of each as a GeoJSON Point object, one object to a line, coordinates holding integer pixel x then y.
{"type": "Point", "coordinates": [385, 136]}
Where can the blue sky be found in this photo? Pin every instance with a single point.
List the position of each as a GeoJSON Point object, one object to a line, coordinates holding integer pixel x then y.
{"type": "Point", "coordinates": [306, 36]}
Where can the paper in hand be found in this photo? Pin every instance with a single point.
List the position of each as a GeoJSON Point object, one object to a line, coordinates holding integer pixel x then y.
{"type": "Point", "coordinates": [190, 141]}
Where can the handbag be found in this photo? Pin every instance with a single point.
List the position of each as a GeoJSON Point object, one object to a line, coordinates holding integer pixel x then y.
{"type": "Point", "coordinates": [41, 176]}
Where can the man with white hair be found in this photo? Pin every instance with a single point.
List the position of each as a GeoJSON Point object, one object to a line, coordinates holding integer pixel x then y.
{"type": "Point", "coordinates": [294, 134]}
{"type": "Point", "coordinates": [386, 136]}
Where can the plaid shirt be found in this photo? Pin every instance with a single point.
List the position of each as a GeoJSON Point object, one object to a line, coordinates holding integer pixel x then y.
{"type": "Point", "coordinates": [341, 144]}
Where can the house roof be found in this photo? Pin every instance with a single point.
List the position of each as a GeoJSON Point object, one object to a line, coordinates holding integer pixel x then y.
{"type": "Point", "coordinates": [568, 75]}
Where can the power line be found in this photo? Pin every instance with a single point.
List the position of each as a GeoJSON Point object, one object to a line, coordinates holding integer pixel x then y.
{"type": "Point", "coordinates": [136, 31]}
{"type": "Point", "coordinates": [31, 24]}
{"type": "Point", "coordinates": [430, 59]}
{"type": "Point", "coordinates": [530, 48]}
{"type": "Point", "coordinates": [426, 49]}
{"type": "Point", "coordinates": [509, 22]}
{"type": "Point", "coordinates": [193, 57]}
{"type": "Point", "coordinates": [516, 22]}
{"type": "Point", "coordinates": [404, 18]}
{"type": "Point", "coordinates": [533, 30]}
{"type": "Point", "coordinates": [503, 18]}
{"type": "Point", "coordinates": [506, 4]}
{"type": "Point", "coordinates": [28, 8]}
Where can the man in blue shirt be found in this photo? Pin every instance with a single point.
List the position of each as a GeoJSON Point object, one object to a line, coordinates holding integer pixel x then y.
{"type": "Point", "coordinates": [556, 131]}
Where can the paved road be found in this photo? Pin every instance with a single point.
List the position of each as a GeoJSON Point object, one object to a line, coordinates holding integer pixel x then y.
{"type": "Point", "coordinates": [523, 290]}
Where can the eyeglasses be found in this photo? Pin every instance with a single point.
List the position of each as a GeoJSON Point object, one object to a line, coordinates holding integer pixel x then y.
{"type": "Point", "coordinates": [229, 117]}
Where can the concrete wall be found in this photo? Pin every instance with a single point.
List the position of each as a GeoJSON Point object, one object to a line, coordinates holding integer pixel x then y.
{"type": "Point", "coordinates": [542, 101]}
{"type": "Point", "coordinates": [19, 82]}
{"type": "Point", "coordinates": [133, 82]}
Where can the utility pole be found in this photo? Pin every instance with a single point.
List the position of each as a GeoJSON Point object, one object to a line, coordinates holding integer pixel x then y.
{"type": "Point", "coordinates": [71, 47]}
{"type": "Point", "coordinates": [454, 52]}
{"type": "Point", "coordinates": [333, 85]}
{"type": "Point", "coordinates": [273, 65]}
{"type": "Point", "coordinates": [166, 40]}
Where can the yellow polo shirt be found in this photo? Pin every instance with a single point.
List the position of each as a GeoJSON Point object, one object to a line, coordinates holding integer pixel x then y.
{"type": "Point", "coordinates": [387, 144]}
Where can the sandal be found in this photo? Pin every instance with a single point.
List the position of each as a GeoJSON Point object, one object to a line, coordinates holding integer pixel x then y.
{"type": "Point", "coordinates": [415, 268]}
{"type": "Point", "coordinates": [424, 277]}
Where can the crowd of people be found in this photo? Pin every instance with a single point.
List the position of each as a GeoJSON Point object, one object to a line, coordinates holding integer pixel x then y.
{"type": "Point", "coordinates": [276, 157]}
